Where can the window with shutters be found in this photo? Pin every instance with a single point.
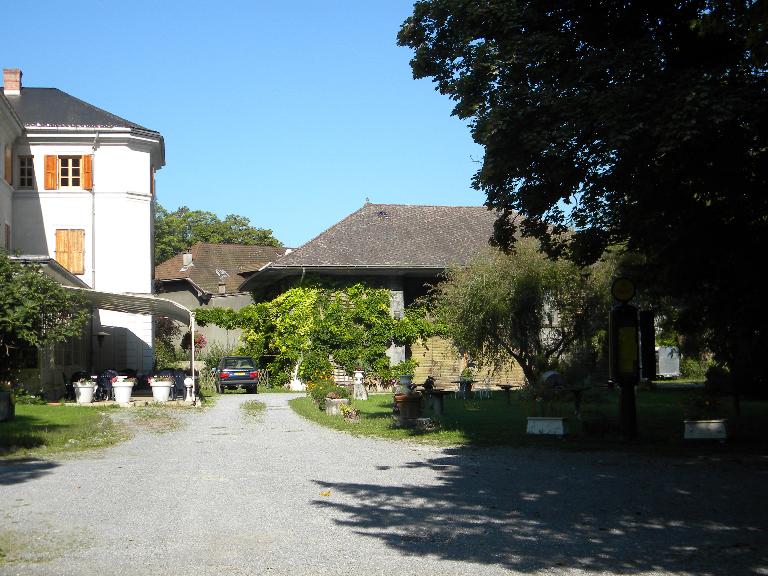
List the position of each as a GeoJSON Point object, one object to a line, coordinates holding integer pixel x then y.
{"type": "Point", "coordinates": [69, 171]}
{"type": "Point", "coordinates": [26, 172]}
{"type": "Point", "coordinates": [70, 251]}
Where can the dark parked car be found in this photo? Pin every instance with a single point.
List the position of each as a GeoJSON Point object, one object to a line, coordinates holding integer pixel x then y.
{"type": "Point", "coordinates": [236, 371]}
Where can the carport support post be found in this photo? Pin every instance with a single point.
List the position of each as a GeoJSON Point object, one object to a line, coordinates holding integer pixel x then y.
{"type": "Point", "coordinates": [191, 396]}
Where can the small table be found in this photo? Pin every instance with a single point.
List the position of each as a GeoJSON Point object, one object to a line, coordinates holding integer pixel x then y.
{"type": "Point", "coordinates": [507, 388]}
{"type": "Point", "coordinates": [438, 394]}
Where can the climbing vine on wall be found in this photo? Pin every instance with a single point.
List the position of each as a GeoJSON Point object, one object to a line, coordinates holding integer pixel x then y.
{"type": "Point", "coordinates": [318, 327]}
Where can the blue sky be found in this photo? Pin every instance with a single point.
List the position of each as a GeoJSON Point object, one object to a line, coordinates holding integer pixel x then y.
{"type": "Point", "coordinates": [291, 113]}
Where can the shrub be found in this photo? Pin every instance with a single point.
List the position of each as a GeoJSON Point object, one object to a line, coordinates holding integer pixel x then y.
{"type": "Point", "coordinates": [718, 380]}
{"type": "Point", "coordinates": [695, 368]}
{"type": "Point", "coordinates": [215, 353]}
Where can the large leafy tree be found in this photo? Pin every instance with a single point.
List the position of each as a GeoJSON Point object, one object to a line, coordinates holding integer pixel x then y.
{"type": "Point", "coordinates": [178, 230]}
{"type": "Point", "coordinates": [34, 311]}
{"type": "Point", "coordinates": [523, 306]}
{"type": "Point", "coordinates": [642, 124]}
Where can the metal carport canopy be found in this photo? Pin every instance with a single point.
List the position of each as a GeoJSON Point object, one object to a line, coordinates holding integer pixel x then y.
{"type": "Point", "coordinates": [148, 304]}
{"type": "Point", "coordinates": [137, 304]}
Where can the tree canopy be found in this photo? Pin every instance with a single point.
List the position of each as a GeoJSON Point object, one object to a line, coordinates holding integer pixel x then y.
{"type": "Point", "coordinates": [523, 306]}
{"type": "Point", "coordinates": [178, 230]}
{"type": "Point", "coordinates": [641, 124]}
{"type": "Point", "coordinates": [34, 311]}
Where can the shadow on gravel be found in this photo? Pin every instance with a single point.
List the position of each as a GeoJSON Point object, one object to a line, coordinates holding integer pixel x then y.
{"type": "Point", "coordinates": [19, 470]}
{"type": "Point", "coordinates": [529, 511]}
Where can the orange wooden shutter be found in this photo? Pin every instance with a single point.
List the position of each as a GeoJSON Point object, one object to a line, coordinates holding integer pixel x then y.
{"type": "Point", "coordinates": [88, 172]}
{"type": "Point", "coordinates": [51, 177]}
{"type": "Point", "coordinates": [9, 165]}
{"type": "Point", "coordinates": [70, 251]}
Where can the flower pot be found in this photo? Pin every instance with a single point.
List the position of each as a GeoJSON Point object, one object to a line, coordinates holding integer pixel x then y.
{"type": "Point", "coordinates": [84, 393]}
{"type": "Point", "coordinates": [551, 426]}
{"type": "Point", "coordinates": [409, 405]}
{"type": "Point", "coordinates": [332, 405]}
{"type": "Point", "coordinates": [705, 430]}
{"type": "Point", "coordinates": [161, 390]}
{"type": "Point", "coordinates": [122, 391]}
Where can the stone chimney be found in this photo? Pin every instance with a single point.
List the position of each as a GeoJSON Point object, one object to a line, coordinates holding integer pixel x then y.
{"type": "Point", "coordinates": [12, 81]}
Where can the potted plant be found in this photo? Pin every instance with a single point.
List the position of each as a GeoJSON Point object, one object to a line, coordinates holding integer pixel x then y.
{"type": "Point", "coordinates": [123, 388]}
{"type": "Point", "coordinates": [84, 388]}
{"type": "Point", "coordinates": [334, 399]}
{"type": "Point", "coordinates": [161, 389]}
{"type": "Point", "coordinates": [701, 420]}
{"type": "Point", "coordinates": [466, 379]}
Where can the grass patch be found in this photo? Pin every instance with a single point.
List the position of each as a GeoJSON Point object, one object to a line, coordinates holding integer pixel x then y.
{"type": "Point", "coordinates": [39, 546]}
{"type": "Point", "coordinates": [43, 430]}
{"type": "Point", "coordinates": [158, 419]}
{"type": "Point", "coordinates": [253, 407]}
{"type": "Point", "coordinates": [492, 422]}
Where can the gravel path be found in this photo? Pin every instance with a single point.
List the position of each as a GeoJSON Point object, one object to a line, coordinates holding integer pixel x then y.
{"type": "Point", "coordinates": [232, 494]}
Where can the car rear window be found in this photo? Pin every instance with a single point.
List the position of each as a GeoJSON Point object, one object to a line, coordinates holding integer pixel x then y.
{"type": "Point", "coordinates": [239, 363]}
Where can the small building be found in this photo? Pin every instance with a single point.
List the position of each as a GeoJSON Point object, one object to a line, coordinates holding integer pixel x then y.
{"type": "Point", "coordinates": [212, 275]}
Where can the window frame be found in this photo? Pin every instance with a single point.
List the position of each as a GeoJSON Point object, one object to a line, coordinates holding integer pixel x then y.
{"type": "Point", "coordinates": [66, 162]}
{"type": "Point", "coordinates": [26, 171]}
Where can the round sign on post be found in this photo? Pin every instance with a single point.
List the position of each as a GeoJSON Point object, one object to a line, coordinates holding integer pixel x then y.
{"type": "Point", "coordinates": [623, 290]}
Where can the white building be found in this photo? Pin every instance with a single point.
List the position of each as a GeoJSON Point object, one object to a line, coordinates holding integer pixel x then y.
{"type": "Point", "coordinates": [81, 186]}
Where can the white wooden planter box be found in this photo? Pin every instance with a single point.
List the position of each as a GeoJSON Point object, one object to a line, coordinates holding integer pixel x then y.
{"type": "Point", "coordinates": [552, 426]}
{"type": "Point", "coordinates": [705, 430]}
{"type": "Point", "coordinates": [332, 405]}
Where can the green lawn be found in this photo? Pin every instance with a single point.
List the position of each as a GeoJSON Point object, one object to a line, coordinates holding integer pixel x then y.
{"type": "Point", "coordinates": [42, 430]}
{"type": "Point", "coordinates": [490, 422]}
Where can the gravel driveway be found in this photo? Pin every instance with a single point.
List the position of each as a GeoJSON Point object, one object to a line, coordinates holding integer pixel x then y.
{"type": "Point", "coordinates": [232, 494]}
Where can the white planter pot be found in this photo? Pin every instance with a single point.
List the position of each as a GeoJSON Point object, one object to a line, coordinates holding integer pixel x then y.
{"type": "Point", "coordinates": [161, 390]}
{"type": "Point", "coordinates": [123, 392]}
{"type": "Point", "coordinates": [84, 393]}
{"type": "Point", "coordinates": [332, 405]}
{"type": "Point", "coordinates": [705, 430]}
{"type": "Point", "coordinates": [552, 426]}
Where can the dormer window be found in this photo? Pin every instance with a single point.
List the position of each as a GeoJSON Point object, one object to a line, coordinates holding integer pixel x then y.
{"type": "Point", "coordinates": [69, 171]}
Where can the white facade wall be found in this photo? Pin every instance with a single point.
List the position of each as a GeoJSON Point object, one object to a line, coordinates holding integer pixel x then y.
{"type": "Point", "coordinates": [10, 130]}
{"type": "Point", "coordinates": [117, 221]}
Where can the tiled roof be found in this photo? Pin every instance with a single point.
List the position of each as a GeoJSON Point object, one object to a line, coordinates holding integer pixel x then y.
{"type": "Point", "coordinates": [398, 236]}
{"type": "Point", "coordinates": [232, 261]}
{"type": "Point", "coordinates": [52, 107]}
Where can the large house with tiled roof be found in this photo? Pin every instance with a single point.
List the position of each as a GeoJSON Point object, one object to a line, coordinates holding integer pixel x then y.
{"type": "Point", "coordinates": [404, 248]}
{"type": "Point", "coordinates": [79, 188]}
{"type": "Point", "coordinates": [212, 275]}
